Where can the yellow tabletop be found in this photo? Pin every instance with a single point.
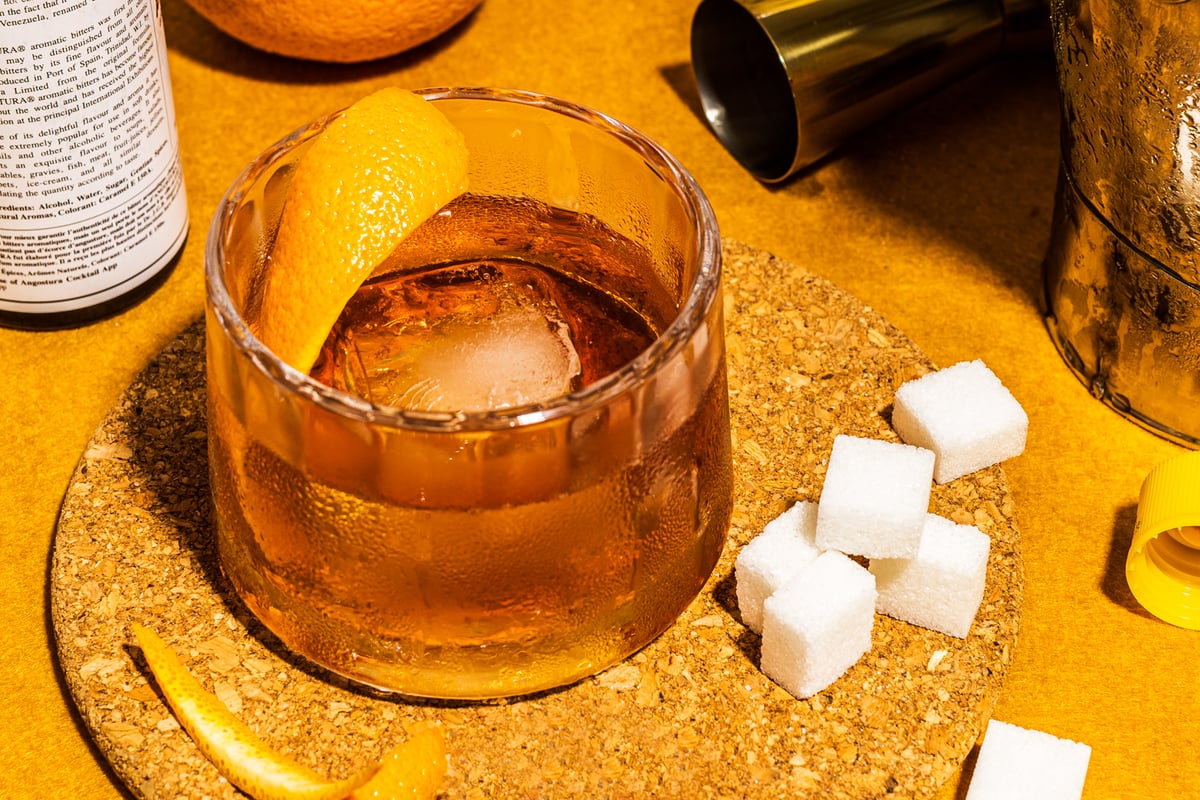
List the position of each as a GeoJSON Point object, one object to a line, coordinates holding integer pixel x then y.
{"type": "Point", "coordinates": [937, 218]}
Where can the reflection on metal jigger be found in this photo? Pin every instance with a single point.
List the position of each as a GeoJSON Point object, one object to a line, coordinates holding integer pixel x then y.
{"type": "Point", "coordinates": [783, 82]}
{"type": "Point", "coordinates": [1122, 274]}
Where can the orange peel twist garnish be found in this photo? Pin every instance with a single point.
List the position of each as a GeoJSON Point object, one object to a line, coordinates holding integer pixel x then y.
{"type": "Point", "coordinates": [378, 170]}
{"type": "Point", "coordinates": [413, 770]}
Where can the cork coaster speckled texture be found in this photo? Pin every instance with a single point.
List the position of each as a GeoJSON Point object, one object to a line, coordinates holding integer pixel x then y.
{"type": "Point", "coordinates": [688, 716]}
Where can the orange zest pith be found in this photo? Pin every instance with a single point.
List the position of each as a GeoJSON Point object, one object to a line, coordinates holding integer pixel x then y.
{"type": "Point", "coordinates": [376, 172]}
{"type": "Point", "coordinates": [237, 752]}
{"type": "Point", "coordinates": [414, 770]}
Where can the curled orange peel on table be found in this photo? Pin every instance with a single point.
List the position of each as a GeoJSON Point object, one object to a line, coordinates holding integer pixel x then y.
{"type": "Point", "coordinates": [411, 771]}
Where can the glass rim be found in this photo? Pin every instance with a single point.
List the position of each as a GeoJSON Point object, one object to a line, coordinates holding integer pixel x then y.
{"type": "Point", "coordinates": [697, 300]}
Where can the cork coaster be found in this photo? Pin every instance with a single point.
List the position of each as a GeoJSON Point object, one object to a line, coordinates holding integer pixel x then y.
{"type": "Point", "coordinates": [690, 715]}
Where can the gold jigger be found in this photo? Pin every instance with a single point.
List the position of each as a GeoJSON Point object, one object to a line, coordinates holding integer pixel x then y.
{"type": "Point", "coordinates": [783, 82]}
{"type": "Point", "coordinates": [1122, 274]}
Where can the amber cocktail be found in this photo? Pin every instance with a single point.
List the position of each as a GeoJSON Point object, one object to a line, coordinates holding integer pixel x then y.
{"type": "Point", "coordinates": [510, 466]}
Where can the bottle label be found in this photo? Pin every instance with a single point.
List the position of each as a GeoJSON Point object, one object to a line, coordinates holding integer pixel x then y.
{"type": "Point", "coordinates": [92, 201]}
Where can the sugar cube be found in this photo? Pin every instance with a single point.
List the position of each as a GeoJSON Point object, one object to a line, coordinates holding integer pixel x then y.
{"type": "Point", "coordinates": [942, 586]}
{"type": "Point", "coordinates": [818, 624]}
{"type": "Point", "coordinates": [1021, 764]}
{"type": "Point", "coordinates": [786, 545]}
{"type": "Point", "coordinates": [965, 415]}
{"type": "Point", "coordinates": [875, 497]}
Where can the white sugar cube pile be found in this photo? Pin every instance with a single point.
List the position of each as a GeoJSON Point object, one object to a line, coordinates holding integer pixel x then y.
{"type": "Point", "coordinates": [817, 625]}
{"type": "Point", "coordinates": [874, 499]}
{"type": "Point", "coordinates": [1021, 764]}
{"type": "Point", "coordinates": [942, 587]}
{"type": "Point", "coordinates": [923, 569]}
{"type": "Point", "coordinates": [786, 545]}
{"type": "Point", "coordinates": [965, 415]}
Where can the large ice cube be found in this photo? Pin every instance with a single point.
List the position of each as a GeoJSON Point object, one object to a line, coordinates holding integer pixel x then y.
{"type": "Point", "coordinates": [516, 357]}
{"type": "Point", "coordinates": [455, 345]}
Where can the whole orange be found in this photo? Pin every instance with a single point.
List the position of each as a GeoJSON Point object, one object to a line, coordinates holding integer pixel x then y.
{"type": "Point", "coordinates": [345, 31]}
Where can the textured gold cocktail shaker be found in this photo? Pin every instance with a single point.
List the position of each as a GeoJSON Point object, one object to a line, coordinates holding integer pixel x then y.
{"type": "Point", "coordinates": [1122, 275]}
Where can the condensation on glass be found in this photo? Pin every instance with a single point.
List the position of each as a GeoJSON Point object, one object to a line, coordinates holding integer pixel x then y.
{"type": "Point", "coordinates": [484, 553]}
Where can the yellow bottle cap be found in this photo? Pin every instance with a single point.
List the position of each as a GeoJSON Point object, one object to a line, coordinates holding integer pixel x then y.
{"type": "Point", "coordinates": [1163, 568]}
